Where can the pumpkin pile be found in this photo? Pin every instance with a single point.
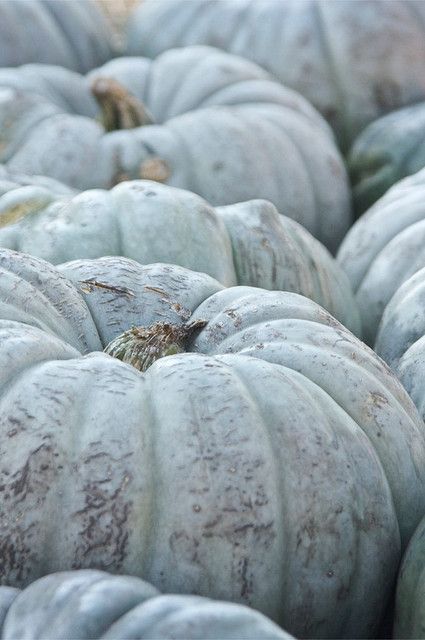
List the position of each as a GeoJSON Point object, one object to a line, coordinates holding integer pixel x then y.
{"type": "Point", "coordinates": [196, 442]}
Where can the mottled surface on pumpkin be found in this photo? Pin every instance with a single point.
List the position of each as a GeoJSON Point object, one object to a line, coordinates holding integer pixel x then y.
{"type": "Point", "coordinates": [240, 470]}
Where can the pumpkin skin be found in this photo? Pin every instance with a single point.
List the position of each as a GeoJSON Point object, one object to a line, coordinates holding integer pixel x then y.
{"type": "Point", "coordinates": [224, 129]}
{"type": "Point", "coordinates": [386, 151]}
{"type": "Point", "coordinates": [409, 612]}
{"type": "Point", "coordinates": [384, 248]}
{"type": "Point", "coordinates": [252, 405]}
{"type": "Point", "coordinates": [248, 243]}
{"type": "Point", "coordinates": [94, 604]}
{"type": "Point", "coordinates": [72, 34]}
{"type": "Point", "coordinates": [400, 339]}
{"type": "Point", "coordinates": [310, 46]}
{"type": "Point", "coordinates": [11, 181]}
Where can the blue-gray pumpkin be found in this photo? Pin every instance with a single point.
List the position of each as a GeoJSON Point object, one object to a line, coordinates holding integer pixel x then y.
{"type": "Point", "coordinates": [273, 460]}
{"type": "Point", "coordinates": [70, 33]}
{"type": "Point", "coordinates": [353, 60]}
{"type": "Point", "coordinates": [388, 150]}
{"type": "Point", "coordinates": [89, 604]}
{"type": "Point", "coordinates": [384, 248]}
{"type": "Point", "coordinates": [247, 243]}
{"type": "Point", "coordinates": [196, 118]}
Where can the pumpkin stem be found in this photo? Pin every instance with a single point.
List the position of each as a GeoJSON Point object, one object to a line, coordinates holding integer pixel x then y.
{"type": "Point", "coordinates": [119, 108]}
{"type": "Point", "coordinates": [142, 346]}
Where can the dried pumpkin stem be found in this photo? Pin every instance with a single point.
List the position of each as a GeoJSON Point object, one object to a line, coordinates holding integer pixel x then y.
{"type": "Point", "coordinates": [142, 346]}
{"type": "Point", "coordinates": [119, 108]}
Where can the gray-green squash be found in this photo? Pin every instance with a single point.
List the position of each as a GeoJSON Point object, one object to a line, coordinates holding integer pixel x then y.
{"type": "Point", "coordinates": [212, 123]}
{"type": "Point", "coordinates": [400, 340]}
{"type": "Point", "coordinates": [384, 248]}
{"type": "Point", "coordinates": [70, 33]}
{"type": "Point", "coordinates": [275, 462]}
{"type": "Point", "coordinates": [388, 150]}
{"type": "Point", "coordinates": [354, 61]}
{"type": "Point", "coordinates": [89, 604]}
{"type": "Point", "coordinates": [247, 243]}
{"type": "Point", "coordinates": [410, 601]}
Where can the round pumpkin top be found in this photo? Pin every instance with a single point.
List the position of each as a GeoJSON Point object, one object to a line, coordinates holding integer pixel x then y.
{"type": "Point", "coordinates": [384, 248]}
{"type": "Point", "coordinates": [72, 34]}
{"type": "Point", "coordinates": [247, 243]}
{"type": "Point", "coordinates": [276, 451]}
{"type": "Point", "coordinates": [195, 118]}
{"type": "Point", "coordinates": [94, 604]}
{"type": "Point", "coordinates": [353, 60]}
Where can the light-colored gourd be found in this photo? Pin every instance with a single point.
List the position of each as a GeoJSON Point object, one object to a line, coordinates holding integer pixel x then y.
{"type": "Point", "coordinates": [275, 462]}
{"type": "Point", "coordinates": [353, 60]}
{"type": "Point", "coordinates": [384, 248]}
{"type": "Point", "coordinates": [89, 604]}
{"type": "Point", "coordinates": [247, 243]}
{"type": "Point", "coordinates": [73, 34]}
{"type": "Point", "coordinates": [195, 118]}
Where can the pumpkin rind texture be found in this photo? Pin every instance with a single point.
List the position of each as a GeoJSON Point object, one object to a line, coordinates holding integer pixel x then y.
{"type": "Point", "coordinates": [94, 604]}
{"type": "Point", "coordinates": [288, 483]}
{"type": "Point", "coordinates": [224, 129]}
{"type": "Point", "coordinates": [384, 248]}
{"type": "Point", "coordinates": [247, 243]}
{"type": "Point", "coordinates": [310, 45]}
{"type": "Point", "coordinates": [73, 34]}
{"type": "Point", "coordinates": [410, 611]}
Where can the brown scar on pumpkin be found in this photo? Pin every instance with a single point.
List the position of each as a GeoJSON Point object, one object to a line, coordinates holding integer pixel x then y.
{"type": "Point", "coordinates": [87, 286]}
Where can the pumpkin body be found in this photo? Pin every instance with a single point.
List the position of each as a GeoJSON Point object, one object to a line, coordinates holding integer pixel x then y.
{"type": "Point", "coordinates": [94, 604]}
{"type": "Point", "coordinates": [384, 248]}
{"type": "Point", "coordinates": [400, 340]}
{"type": "Point", "coordinates": [410, 610]}
{"type": "Point", "coordinates": [247, 243]}
{"type": "Point", "coordinates": [353, 60]}
{"type": "Point", "coordinates": [253, 404]}
{"type": "Point", "coordinates": [73, 34]}
{"type": "Point", "coordinates": [223, 129]}
{"type": "Point", "coordinates": [388, 150]}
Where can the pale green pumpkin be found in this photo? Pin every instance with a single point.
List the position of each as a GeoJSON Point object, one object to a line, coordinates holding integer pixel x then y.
{"type": "Point", "coordinates": [248, 243]}
{"type": "Point", "coordinates": [72, 33]}
{"type": "Point", "coordinates": [93, 604]}
{"type": "Point", "coordinates": [354, 61]}
{"type": "Point", "coordinates": [384, 248]}
{"type": "Point", "coordinates": [388, 150]}
{"type": "Point", "coordinates": [195, 118]}
{"type": "Point", "coordinates": [400, 340]}
{"type": "Point", "coordinates": [276, 462]}
{"type": "Point", "coordinates": [410, 610]}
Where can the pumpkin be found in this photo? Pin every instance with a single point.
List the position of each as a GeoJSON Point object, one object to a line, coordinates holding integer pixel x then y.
{"type": "Point", "coordinates": [224, 130]}
{"type": "Point", "coordinates": [410, 611]}
{"type": "Point", "coordinates": [72, 34]}
{"type": "Point", "coordinates": [400, 339]}
{"type": "Point", "coordinates": [353, 60]}
{"type": "Point", "coordinates": [10, 181]}
{"type": "Point", "coordinates": [384, 248]}
{"type": "Point", "coordinates": [94, 604]}
{"type": "Point", "coordinates": [247, 243]}
{"type": "Point", "coordinates": [386, 151]}
{"type": "Point", "coordinates": [273, 460]}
